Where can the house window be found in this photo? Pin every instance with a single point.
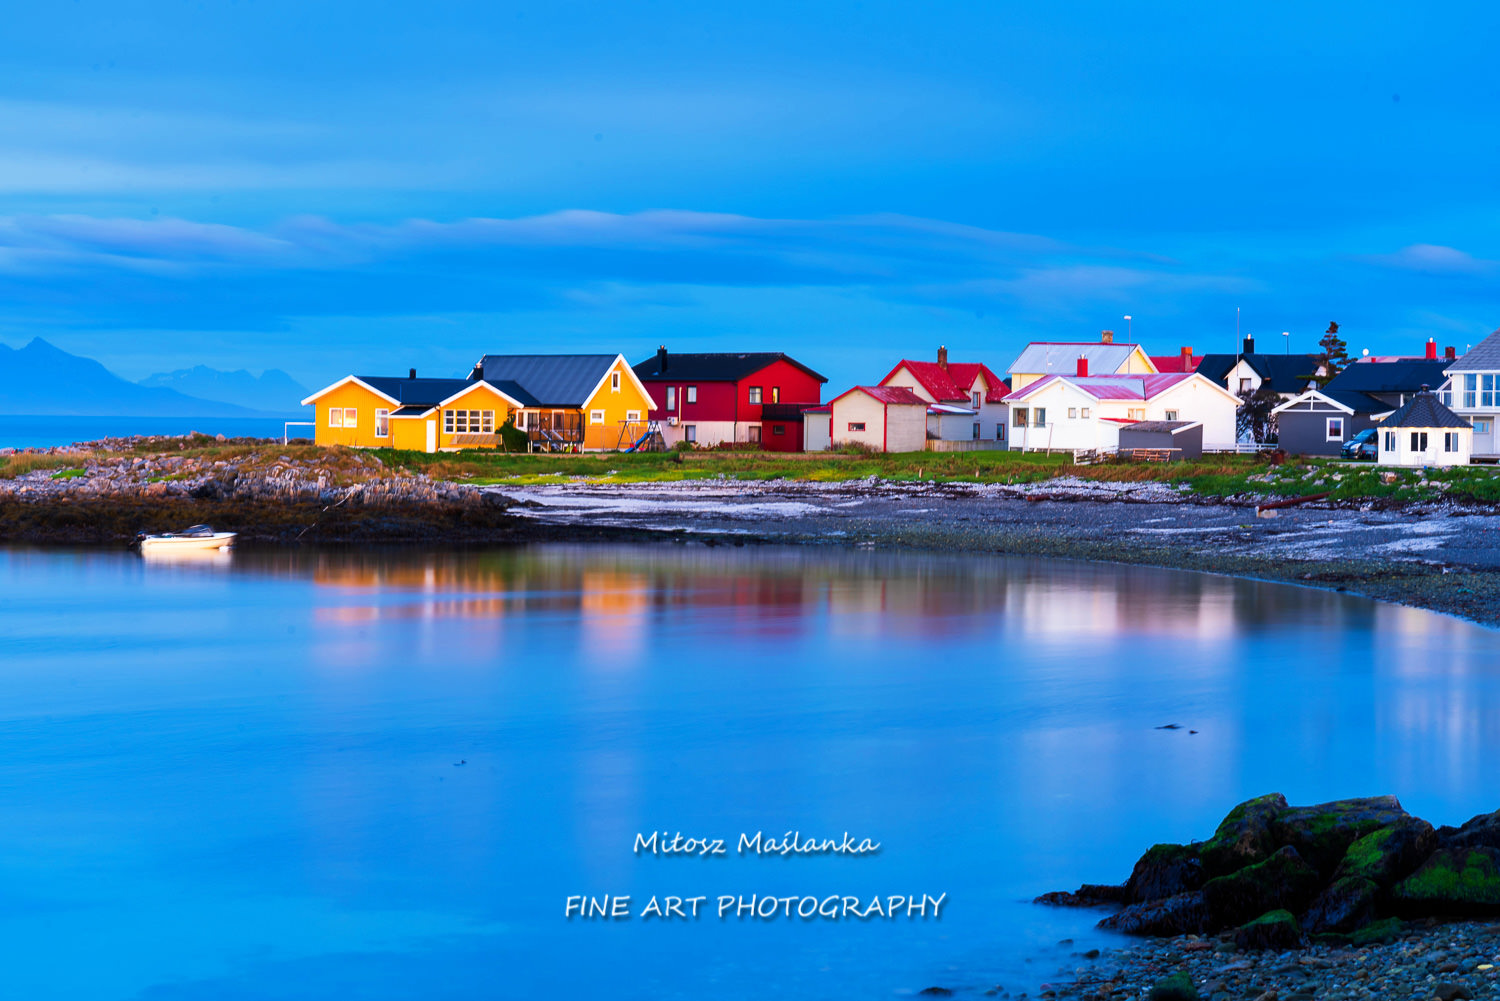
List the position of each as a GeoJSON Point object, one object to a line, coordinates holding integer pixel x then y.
{"type": "Point", "coordinates": [1450, 441]}
{"type": "Point", "coordinates": [1335, 429]}
{"type": "Point", "coordinates": [1487, 391]}
{"type": "Point", "coordinates": [999, 432]}
{"type": "Point", "coordinates": [1390, 441]}
{"type": "Point", "coordinates": [856, 425]}
{"type": "Point", "coordinates": [775, 394]}
{"type": "Point", "coordinates": [752, 434]}
{"type": "Point", "coordinates": [1244, 386]}
{"type": "Point", "coordinates": [468, 421]}
{"type": "Point", "coordinates": [1084, 413]}
{"type": "Point", "coordinates": [778, 429]}
{"type": "Point", "coordinates": [690, 432]}
{"type": "Point", "coordinates": [596, 417]}
{"type": "Point", "coordinates": [1072, 413]}
{"type": "Point", "coordinates": [1471, 382]}
{"type": "Point", "coordinates": [1481, 426]}
{"type": "Point", "coordinates": [978, 401]}
{"type": "Point", "coordinates": [1136, 413]}
{"type": "Point", "coordinates": [692, 394]}
{"type": "Point", "coordinates": [976, 430]}
{"type": "Point", "coordinates": [351, 417]}
{"type": "Point", "coordinates": [614, 382]}
{"type": "Point", "coordinates": [754, 394]}
{"type": "Point", "coordinates": [632, 417]}
{"type": "Point", "coordinates": [335, 417]}
{"type": "Point", "coordinates": [671, 397]}
{"type": "Point", "coordinates": [1419, 441]}
{"type": "Point", "coordinates": [1039, 417]}
{"type": "Point", "coordinates": [1171, 415]}
{"type": "Point", "coordinates": [1019, 416]}
{"type": "Point", "coordinates": [382, 423]}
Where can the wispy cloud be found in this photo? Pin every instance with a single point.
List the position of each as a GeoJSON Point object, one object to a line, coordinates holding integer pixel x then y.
{"type": "Point", "coordinates": [1433, 259]}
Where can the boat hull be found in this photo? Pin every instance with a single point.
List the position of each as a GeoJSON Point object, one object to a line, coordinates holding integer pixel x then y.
{"type": "Point", "coordinates": [160, 543]}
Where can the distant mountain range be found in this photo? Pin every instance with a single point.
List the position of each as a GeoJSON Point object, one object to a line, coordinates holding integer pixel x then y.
{"type": "Point", "coordinates": [42, 379]}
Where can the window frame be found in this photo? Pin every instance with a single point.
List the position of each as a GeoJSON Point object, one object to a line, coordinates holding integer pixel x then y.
{"type": "Point", "coordinates": [1450, 441]}
{"type": "Point", "coordinates": [671, 406]}
{"type": "Point", "coordinates": [632, 417]}
{"type": "Point", "coordinates": [596, 418]}
{"type": "Point", "coordinates": [856, 427]}
{"type": "Point", "coordinates": [382, 422]}
{"type": "Point", "coordinates": [754, 394]}
{"type": "Point", "coordinates": [336, 423]}
{"type": "Point", "coordinates": [752, 434]}
{"type": "Point", "coordinates": [614, 382]}
{"type": "Point", "coordinates": [1020, 417]}
{"type": "Point", "coordinates": [999, 430]}
{"type": "Point", "coordinates": [691, 395]}
{"type": "Point", "coordinates": [690, 433]}
{"type": "Point", "coordinates": [1328, 425]}
{"type": "Point", "coordinates": [1419, 441]}
{"type": "Point", "coordinates": [351, 417]}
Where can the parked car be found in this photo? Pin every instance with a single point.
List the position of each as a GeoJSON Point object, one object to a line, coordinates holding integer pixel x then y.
{"type": "Point", "coordinates": [1362, 446]}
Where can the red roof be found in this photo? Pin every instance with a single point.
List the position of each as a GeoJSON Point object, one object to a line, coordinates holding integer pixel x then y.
{"type": "Point", "coordinates": [947, 383]}
{"type": "Point", "coordinates": [886, 394]}
{"type": "Point", "coordinates": [1173, 363]}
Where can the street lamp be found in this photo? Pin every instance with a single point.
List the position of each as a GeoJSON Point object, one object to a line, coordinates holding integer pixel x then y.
{"type": "Point", "coordinates": [1287, 335]}
{"type": "Point", "coordinates": [1128, 335]}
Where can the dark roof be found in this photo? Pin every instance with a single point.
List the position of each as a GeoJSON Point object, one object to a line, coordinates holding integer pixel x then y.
{"type": "Point", "coordinates": [1161, 427]}
{"type": "Point", "coordinates": [1424, 411]}
{"type": "Point", "coordinates": [1360, 403]}
{"type": "Point", "coordinates": [1284, 373]}
{"type": "Point", "coordinates": [414, 392]}
{"type": "Point", "coordinates": [715, 366]}
{"type": "Point", "coordinates": [549, 380]}
{"type": "Point", "coordinates": [1482, 357]}
{"type": "Point", "coordinates": [1404, 375]}
{"type": "Point", "coordinates": [416, 411]}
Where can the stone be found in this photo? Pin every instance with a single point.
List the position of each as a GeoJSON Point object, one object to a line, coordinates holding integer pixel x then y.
{"type": "Point", "coordinates": [1481, 832]}
{"type": "Point", "coordinates": [1390, 854]}
{"type": "Point", "coordinates": [1180, 915]}
{"type": "Point", "coordinates": [1343, 906]}
{"type": "Point", "coordinates": [1087, 895]}
{"type": "Point", "coordinates": [1177, 987]}
{"type": "Point", "coordinates": [1446, 991]}
{"type": "Point", "coordinates": [1322, 834]}
{"type": "Point", "coordinates": [1454, 881]}
{"type": "Point", "coordinates": [934, 992]}
{"type": "Point", "coordinates": [1283, 881]}
{"type": "Point", "coordinates": [1244, 836]}
{"type": "Point", "coordinates": [1277, 930]}
{"type": "Point", "coordinates": [1164, 871]}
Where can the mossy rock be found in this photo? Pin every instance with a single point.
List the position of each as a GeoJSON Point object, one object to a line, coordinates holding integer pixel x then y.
{"type": "Point", "coordinates": [1453, 881]}
{"type": "Point", "coordinates": [1481, 832]}
{"type": "Point", "coordinates": [1244, 836]}
{"type": "Point", "coordinates": [1343, 906]}
{"type": "Point", "coordinates": [1283, 881]}
{"type": "Point", "coordinates": [1177, 987]}
{"type": "Point", "coordinates": [1184, 914]}
{"type": "Point", "coordinates": [1273, 930]}
{"type": "Point", "coordinates": [1390, 854]}
{"type": "Point", "coordinates": [1164, 871]}
{"type": "Point", "coordinates": [1378, 932]}
{"type": "Point", "coordinates": [1322, 834]}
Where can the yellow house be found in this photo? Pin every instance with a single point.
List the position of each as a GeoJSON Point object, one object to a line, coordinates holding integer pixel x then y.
{"type": "Point", "coordinates": [1101, 357]}
{"type": "Point", "coordinates": [562, 402]}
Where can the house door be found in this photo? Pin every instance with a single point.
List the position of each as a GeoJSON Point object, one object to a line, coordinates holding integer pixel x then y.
{"type": "Point", "coordinates": [432, 436]}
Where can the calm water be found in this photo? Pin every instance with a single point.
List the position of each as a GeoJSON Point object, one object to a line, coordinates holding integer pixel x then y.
{"type": "Point", "coordinates": [236, 779]}
{"type": "Point", "coordinates": [21, 431]}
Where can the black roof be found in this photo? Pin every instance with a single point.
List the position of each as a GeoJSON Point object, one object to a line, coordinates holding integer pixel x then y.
{"type": "Point", "coordinates": [414, 392]}
{"type": "Point", "coordinates": [1283, 373]}
{"type": "Point", "coordinates": [1424, 411]}
{"type": "Point", "coordinates": [715, 366]}
{"type": "Point", "coordinates": [1161, 427]}
{"type": "Point", "coordinates": [1360, 403]}
{"type": "Point", "coordinates": [545, 380]}
{"type": "Point", "coordinates": [1404, 375]}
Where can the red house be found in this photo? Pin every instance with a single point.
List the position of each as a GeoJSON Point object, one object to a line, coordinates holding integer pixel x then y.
{"type": "Point", "coordinates": [757, 397]}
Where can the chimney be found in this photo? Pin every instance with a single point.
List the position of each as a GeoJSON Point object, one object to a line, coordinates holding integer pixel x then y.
{"type": "Point", "coordinates": [661, 359]}
{"type": "Point", "coordinates": [943, 356]}
{"type": "Point", "coordinates": [1187, 358]}
{"type": "Point", "coordinates": [1450, 354]}
{"type": "Point", "coordinates": [1431, 349]}
{"type": "Point", "coordinates": [1249, 346]}
{"type": "Point", "coordinates": [1106, 336]}
{"type": "Point", "coordinates": [1083, 365]}
{"type": "Point", "coordinates": [413, 374]}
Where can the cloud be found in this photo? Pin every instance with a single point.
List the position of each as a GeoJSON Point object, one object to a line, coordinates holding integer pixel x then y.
{"type": "Point", "coordinates": [1433, 259]}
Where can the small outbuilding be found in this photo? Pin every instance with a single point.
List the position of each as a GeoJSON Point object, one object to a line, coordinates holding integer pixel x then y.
{"type": "Point", "coordinates": [884, 418]}
{"type": "Point", "coordinates": [1181, 439]}
{"type": "Point", "coordinates": [817, 428]}
{"type": "Point", "coordinates": [1423, 432]}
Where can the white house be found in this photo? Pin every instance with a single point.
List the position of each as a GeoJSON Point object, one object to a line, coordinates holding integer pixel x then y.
{"type": "Point", "coordinates": [965, 399]}
{"type": "Point", "coordinates": [1473, 392]}
{"type": "Point", "coordinates": [1087, 411]}
{"type": "Point", "coordinates": [1423, 432]}
{"type": "Point", "coordinates": [885, 418]}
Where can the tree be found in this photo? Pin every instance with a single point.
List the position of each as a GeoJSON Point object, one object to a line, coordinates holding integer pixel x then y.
{"type": "Point", "coordinates": [1334, 355]}
{"type": "Point", "coordinates": [1254, 419]}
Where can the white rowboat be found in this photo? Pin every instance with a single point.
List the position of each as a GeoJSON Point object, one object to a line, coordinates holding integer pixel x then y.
{"type": "Point", "coordinates": [197, 537]}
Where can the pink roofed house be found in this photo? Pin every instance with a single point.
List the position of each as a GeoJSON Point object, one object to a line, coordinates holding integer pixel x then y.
{"type": "Point", "coordinates": [1083, 411]}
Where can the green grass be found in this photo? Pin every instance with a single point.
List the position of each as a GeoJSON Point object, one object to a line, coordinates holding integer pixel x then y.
{"type": "Point", "coordinates": [70, 474]}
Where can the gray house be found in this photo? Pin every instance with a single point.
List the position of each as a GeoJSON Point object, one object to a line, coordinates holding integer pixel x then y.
{"type": "Point", "coordinates": [1185, 437]}
{"type": "Point", "coordinates": [1319, 421]}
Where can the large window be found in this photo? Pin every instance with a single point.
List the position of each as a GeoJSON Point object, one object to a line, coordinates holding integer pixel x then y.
{"type": "Point", "coordinates": [1481, 426]}
{"type": "Point", "coordinates": [1419, 441]}
{"type": "Point", "coordinates": [382, 423]}
{"type": "Point", "coordinates": [468, 421]}
{"type": "Point", "coordinates": [692, 394]}
{"type": "Point", "coordinates": [671, 397]}
{"type": "Point", "coordinates": [1487, 390]}
{"type": "Point", "coordinates": [754, 394]}
{"type": "Point", "coordinates": [1471, 383]}
{"type": "Point", "coordinates": [1335, 431]}
{"type": "Point", "coordinates": [1450, 441]}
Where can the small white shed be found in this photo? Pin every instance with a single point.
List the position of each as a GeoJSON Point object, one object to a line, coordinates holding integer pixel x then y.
{"type": "Point", "coordinates": [1423, 432]}
{"type": "Point", "coordinates": [817, 429]}
{"type": "Point", "coordinates": [885, 418]}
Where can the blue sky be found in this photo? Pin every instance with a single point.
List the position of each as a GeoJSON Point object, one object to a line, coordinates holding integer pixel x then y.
{"type": "Point", "coordinates": [327, 187]}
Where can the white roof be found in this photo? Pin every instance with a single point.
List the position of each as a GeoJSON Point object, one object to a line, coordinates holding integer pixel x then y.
{"type": "Point", "coordinates": [1061, 357]}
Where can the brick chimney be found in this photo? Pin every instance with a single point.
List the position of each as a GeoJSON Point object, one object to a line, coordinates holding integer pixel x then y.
{"type": "Point", "coordinates": [1083, 365]}
{"type": "Point", "coordinates": [661, 359]}
{"type": "Point", "coordinates": [943, 356]}
{"type": "Point", "coordinates": [1187, 358]}
{"type": "Point", "coordinates": [1106, 337]}
{"type": "Point", "coordinates": [1431, 349]}
{"type": "Point", "coordinates": [1450, 354]}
